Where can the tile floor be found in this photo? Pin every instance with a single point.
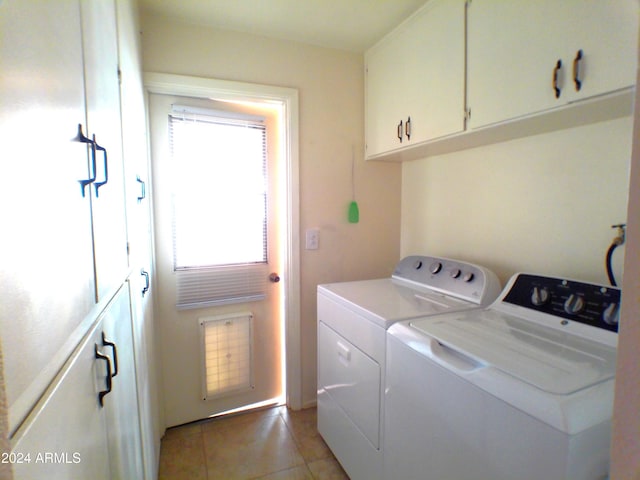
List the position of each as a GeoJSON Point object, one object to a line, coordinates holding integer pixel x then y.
{"type": "Point", "coordinates": [272, 444]}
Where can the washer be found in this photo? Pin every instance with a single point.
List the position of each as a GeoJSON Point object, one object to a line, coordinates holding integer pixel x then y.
{"type": "Point", "coordinates": [521, 389]}
{"type": "Point", "coordinates": [352, 321]}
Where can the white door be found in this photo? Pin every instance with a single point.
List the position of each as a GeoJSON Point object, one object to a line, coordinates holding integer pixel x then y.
{"type": "Point", "coordinates": [225, 218]}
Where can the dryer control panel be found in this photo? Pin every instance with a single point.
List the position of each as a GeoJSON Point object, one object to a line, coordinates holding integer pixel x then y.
{"type": "Point", "coordinates": [588, 303]}
{"type": "Point", "coordinates": [450, 277]}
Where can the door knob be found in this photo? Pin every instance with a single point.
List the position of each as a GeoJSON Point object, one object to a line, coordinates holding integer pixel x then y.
{"type": "Point", "coordinates": [274, 277]}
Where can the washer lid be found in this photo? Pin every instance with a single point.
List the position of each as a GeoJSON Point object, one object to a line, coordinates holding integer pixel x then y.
{"type": "Point", "coordinates": [551, 360]}
{"type": "Point", "coordinates": [385, 301]}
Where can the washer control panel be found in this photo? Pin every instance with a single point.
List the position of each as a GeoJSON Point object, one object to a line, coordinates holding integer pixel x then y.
{"type": "Point", "coordinates": [588, 303]}
{"type": "Point", "coordinates": [448, 276]}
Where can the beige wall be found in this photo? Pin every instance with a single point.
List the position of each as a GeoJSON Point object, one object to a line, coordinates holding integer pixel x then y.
{"type": "Point", "coordinates": [543, 204]}
{"type": "Point", "coordinates": [330, 84]}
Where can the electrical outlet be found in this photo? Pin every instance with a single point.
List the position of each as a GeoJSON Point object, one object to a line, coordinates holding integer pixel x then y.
{"type": "Point", "coordinates": [312, 239]}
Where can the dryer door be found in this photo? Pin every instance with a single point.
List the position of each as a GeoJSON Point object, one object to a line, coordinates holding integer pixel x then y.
{"type": "Point", "coordinates": [352, 379]}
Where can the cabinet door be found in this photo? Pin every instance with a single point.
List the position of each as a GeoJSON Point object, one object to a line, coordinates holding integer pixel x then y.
{"type": "Point", "coordinates": [46, 270]}
{"type": "Point", "coordinates": [435, 72]}
{"type": "Point", "coordinates": [606, 32]}
{"type": "Point", "coordinates": [137, 175]}
{"type": "Point", "coordinates": [121, 405]}
{"type": "Point", "coordinates": [512, 52]}
{"type": "Point", "coordinates": [384, 109]}
{"type": "Point", "coordinates": [416, 75]}
{"type": "Point", "coordinates": [103, 120]}
{"type": "Point", "coordinates": [66, 434]}
{"type": "Point", "coordinates": [521, 54]}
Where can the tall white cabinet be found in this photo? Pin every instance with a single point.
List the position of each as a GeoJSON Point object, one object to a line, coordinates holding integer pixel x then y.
{"type": "Point", "coordinates": [76, 252]}
{"type": "Point", "coordinates": [47, 279]}
{"type": "Point", "coordinates": [138, 194]}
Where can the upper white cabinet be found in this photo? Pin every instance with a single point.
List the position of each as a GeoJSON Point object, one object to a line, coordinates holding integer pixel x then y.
{"type": "Point", "coordinates": [461, 74]}
{"type": "Point", "coordinates": [415, 80]}
{"type": "Point", "coordinates": [526, 57]}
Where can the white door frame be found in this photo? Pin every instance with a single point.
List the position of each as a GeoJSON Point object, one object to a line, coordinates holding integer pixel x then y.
{"type": "Point", "coordinates": [199, 87]}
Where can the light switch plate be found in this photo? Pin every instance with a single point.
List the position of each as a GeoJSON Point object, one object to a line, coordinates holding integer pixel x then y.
{"type": "Point", "coordinates": [312, 239]}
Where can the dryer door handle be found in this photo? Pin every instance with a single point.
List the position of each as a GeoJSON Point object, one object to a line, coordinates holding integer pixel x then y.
{"type": "Point", "coordinates": [344, 353]}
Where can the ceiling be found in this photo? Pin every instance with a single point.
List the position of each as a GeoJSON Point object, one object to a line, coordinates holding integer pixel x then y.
{"type": "Point", "coordinates": [352, 25]}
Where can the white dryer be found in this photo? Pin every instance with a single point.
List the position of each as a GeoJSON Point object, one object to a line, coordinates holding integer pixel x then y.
{"type": "Point", "coordinates": [522, 389]}
{"type": "Point", "coordinates": [353, 318]}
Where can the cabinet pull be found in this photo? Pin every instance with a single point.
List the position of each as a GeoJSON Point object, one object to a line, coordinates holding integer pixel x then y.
{"type": "Point", "coordinates": [576, 70]}
{"type": "Point", "coordinates": [146, 279]}
{"type": "Point", "coordinates": [102, 393]}
{"type": "Point", "coordinates": [107, 343]}
{"type": "Point", "coordinates": [407, 128]}
{"type": "Point", "coordinates": [143, 188]}
{"type": "Point", "coordinates": [80, 137]}
{"type": "Point", "coordinates": [400, 134]}
{"type": "Point", "coordinates": [556, 70]}
{"type": "Point", "coordinates": [106, 170]}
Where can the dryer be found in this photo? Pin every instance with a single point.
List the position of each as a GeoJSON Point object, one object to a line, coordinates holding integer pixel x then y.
{"type": "Point", "coordinates": [353, 318]}
{"type": "Point", "coordinates": [521, 389]}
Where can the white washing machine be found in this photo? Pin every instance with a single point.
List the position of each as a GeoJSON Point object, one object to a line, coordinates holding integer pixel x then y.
{"type": "Point", "coordinates": [352, 321]}
{"type": "Point", "coordinates": [522, 389]}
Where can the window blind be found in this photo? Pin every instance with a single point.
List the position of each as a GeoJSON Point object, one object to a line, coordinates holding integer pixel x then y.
{"type": "Point", "coordinates": [219, 179]}
{"type": "Point", "coordinates": [210, 287]}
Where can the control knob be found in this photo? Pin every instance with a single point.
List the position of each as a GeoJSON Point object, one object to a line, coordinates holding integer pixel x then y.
{"type": "Point", "coordinates": [540, 296]}
{"type": "Point", "coordinates": [610, 314]}
{"type": "Point", "coordinates": [455, 273]}
{"type": "Point", "coordinates": [435, 267]}
{"type": "Point", "coordinates": [468, 276]}
{"type": "Point", "coordinates": [574, 304]}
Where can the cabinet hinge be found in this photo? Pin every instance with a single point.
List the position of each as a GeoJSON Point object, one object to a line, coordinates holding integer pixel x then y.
{"type": "Point", "coordinates": [119, 76]}
{"type": "Point", "coordinates": [128, 249]}
{"type": "Point", "coordinates": [467, 114]}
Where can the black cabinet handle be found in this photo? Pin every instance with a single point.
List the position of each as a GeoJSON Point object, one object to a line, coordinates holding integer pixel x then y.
{"type": "Point", "coordinates": [106, 169]}
{"type": "Point", "coordinates": [143, 189]}
{"type": "Point", "coordinates": [407, 128]}
{"type": "Point", "coordinates": [399, 132]}
{"type": "Point", "coordinates": [146, 279]}
{"type": "Point", "coordinates": [576, 70]}
{"type": "Point", "coordinates": [103, 393]}
{"type": "Point", "coordinates": [556, 70]}
{"type": "Point", "coordinates": [107, 343]}
{"type": "Point", "coordinates": [81, 138]}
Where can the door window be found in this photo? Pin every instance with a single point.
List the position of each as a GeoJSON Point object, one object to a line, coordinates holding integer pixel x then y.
{"type": "Point", "coordinates": [219, 193]}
